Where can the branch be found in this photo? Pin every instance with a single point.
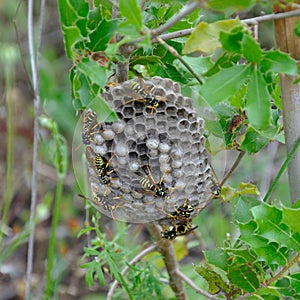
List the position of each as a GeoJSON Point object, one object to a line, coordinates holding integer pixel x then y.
{"type": "Point", "coordinates": [271, 17]}
{"type": "Point", "coordinates": [255, 20]}
{"type": "Point", "coordinates": [36, 102]}
{"type": "Point", "coordinates": [194, 287]}
{"type": "Point", "coordinates": [284, 269]}
{"type": "Point", "coordinates": [126, 269]}
{"type": "Point", "coordinates": [175, 53]}
{"type": "Point", "coordinates": [176, 18]}
{"type": "Point", "coordinates": [167, 251]}
{"type": "Point", "coordinates": [234, 166]}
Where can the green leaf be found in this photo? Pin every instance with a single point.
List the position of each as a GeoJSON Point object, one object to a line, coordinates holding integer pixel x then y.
{"type": "Point", "coordinates": [131, 11]}
{"type": "Point", "coordinates": [104, 111]}
{"type": "Point", "coordinates": [258, 106]}
{"type": "Point", "coordinates": [253, 141]}
{"type": "Point", "coordinates": [264, 250]}
{"type": "Point", "coordinates": [224, 83]}
{"type": "Point", "coordinates": [214, 280]}
{"type": "Point", "coordinates": [102, 35]}
{"type": "Point", "coordinates": [231, 41]}
{"type": "Point", "coordinates": [277, 61]}
{"type": "Point", "coordinates": [73, 17]}
{"type": "Point", "coordinates": [93, 71]}
{"type": "Point", "coordinates": [71, 36]}
{"type": "Point", "coordinates": [217, 257]}
{"type": "Point", "coordinates": [205, 37]}
{"type": "Point", "coordinates": [61, 155]}
{"type": "Point", "coordinates": [270, 226]}
{"type": "Point", "coordinates": [251, 49]}
{"type": "Point", "coordinates": [99, 273]}
{"type": "Point", "coordinates": [244, 276]}
{"type": "Point", "coordinates": [242, 211]}
{"type": "Point", "coordinates": [291, 217]}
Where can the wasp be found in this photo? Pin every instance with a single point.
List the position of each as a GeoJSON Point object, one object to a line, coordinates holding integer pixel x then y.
{"type": "Point", "coordinates": [89, 126]}
{"type": "Point", "coordinates": [182, 228]}
{"type": "Point", "coordinates": [147, 96]}
{"type": "Point", "coordinates": [158, 189]}
{"type": "Point", "coordinates": [183, 211]}
{"type": "Point", "coordinates": [103, 168]}
{"type": "Point", "coordinates": [99, 202]}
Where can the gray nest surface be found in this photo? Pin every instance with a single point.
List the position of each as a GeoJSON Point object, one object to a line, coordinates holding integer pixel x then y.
{"type": "Point", "coordinates": [151, 160]}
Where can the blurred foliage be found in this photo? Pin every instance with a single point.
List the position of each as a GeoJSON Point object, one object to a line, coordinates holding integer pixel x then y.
{"type": "Point", "coordinates": [240, 78]}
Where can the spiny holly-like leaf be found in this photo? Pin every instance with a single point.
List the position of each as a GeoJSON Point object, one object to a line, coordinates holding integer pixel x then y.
{"type": "Point", "coordinates": [130, 10]}
{"type": "Point", "coordinates": [93, 71]}
{"type": "Point", "coordinates": [244, 276]}
{"type": "Point", "coordinates": [230, 193]}
{"type": "Point", "coordinates": [270, 226]}
{"type": "Point", "coordinates": [251, 49]}
{"type": "Point", "coordinates": [255, 140]}
{"type": "Point", "coordinates": [73, 18]}
{"type": "Point", "coordinates": [277, 61]}
{"type": "Point", "coordinates": [242, 211]}
{"type": "Point", "coordinates": [214, 280]}
{"type": "Point", "coordinates": [102, 35]}
{"type": "Point", "coordinates": [205, 36]}
{"type": "Point", "coordinates": [264, 250]}
{"type": "Point", "coordinates": [231, 41]}
{"type": "Point", "coordinates": [289, 286]}
{"type": "Point", "coordinates": [224, 83]}
{"type": "Point", "coordinates": [291, 217]}
{"type": "Point", "coordinates": [217, 257]}
{"type": "Point", "coordinates": [258, 101]}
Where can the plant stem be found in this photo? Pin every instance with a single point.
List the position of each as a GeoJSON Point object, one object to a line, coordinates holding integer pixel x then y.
{"type": "Point", "coordinates": [36, 104]}
{"type": "Point", "coordinates": [10, 141]}
{"type": "Point", "coordinates": [51, 248]}
{"type": "Point", "coordinates": [187, 9]}
{"type": "Point", "coordinates": [175, 53]}
{"type": "Point", "coordinates": [234, 166]}
{"type": "Point", "coordinates": [126, 269]}
{"type": "Point", "coordinates": [282, 169]}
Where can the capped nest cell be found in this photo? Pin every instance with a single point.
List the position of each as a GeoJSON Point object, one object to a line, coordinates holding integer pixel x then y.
{"type": "Point", "coordinates": [152, 161]}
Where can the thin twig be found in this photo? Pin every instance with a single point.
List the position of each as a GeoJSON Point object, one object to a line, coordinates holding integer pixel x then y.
{"type": "Point", "coordinates": [175, 53]}
{"type": "Point", "coordinates": [36, 103]}
{"type": "Point", "coordinates": [255, 20]}
{"type": "Point", "coordinates": [234, 166]}
{"type": "Point", "coordinates": [187, 9]}
{"type": "Point", "coordinates": [194, 287]}
{"type": "Point", "coordinates": [271, 17]}
{"type": "Point", "coordinates": [126, 269]}
{"type": "Point", "coordinates": [283, 270]}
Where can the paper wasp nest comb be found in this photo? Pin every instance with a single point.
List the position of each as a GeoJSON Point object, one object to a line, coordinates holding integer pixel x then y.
{"type": "Point", "coordinates": [153, 159]}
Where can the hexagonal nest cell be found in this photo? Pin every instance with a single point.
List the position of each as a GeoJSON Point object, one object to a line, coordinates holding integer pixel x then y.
{"type": "Point", "coordinates": [152, 160]}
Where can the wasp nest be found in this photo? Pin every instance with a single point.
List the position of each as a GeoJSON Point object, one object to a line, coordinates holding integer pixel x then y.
{"type": "Point", "coordinates": [152, 161]}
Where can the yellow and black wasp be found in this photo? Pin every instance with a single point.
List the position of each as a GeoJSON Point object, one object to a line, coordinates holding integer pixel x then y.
{"type": "Point", "coordinates": [101, 202]}
{"type": "Point", "coordinates": [89, 126]}
{"type": "Point", "coordinates": [158, 189]}
{"type": "Point", "coordinates": [145, 95]}
{"type": "Point", "coordinates": [183, 211]}
{"type": "Point", "coordinates": [103, 168]}
{"type": "Point", "coordinates": [182, 228]}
